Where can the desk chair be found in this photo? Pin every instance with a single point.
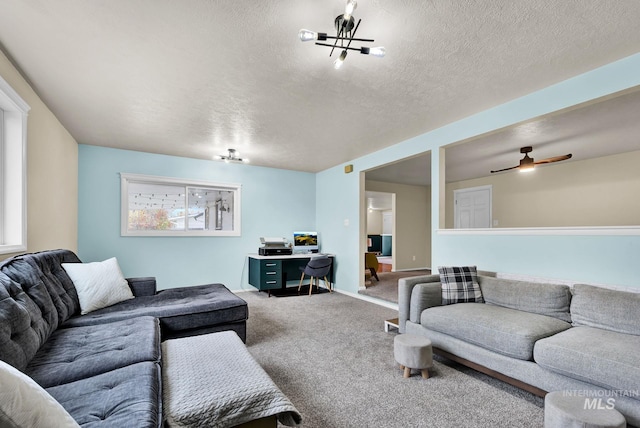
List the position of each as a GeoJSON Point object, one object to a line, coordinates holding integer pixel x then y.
{"type": "Point", "coordinates": [318, 267]}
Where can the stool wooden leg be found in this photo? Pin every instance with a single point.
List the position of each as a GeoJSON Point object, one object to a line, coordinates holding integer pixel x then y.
{"type": "Point", "coordinates": [301, 279]}
{"type": "Point", "coordinates": [401, 367]}
{"type": "Point", "coordinates": [407, 372]}
{"type": "Point", "coordinates": [425, 373]}
{"type": "Point", "coordinates": [311, 286]}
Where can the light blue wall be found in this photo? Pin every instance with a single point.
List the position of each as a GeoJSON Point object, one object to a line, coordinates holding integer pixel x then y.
{"type": "Point", "coordinates": [274, 203]}
{"type": "Point", "coordinates": [596, 259]}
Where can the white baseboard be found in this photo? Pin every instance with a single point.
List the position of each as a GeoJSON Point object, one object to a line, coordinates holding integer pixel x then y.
{"type": "Point", "coordinates": [379, 302]}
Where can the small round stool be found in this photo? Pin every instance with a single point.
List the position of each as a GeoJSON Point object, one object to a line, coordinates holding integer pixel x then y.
{"type": "Point", "coordinates": [413, 352]}
{"type": "Point", "coordinates": [562, 410]}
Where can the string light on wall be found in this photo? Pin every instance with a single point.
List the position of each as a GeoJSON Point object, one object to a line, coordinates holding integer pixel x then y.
{"type": "Point", "coordinates": [346, 28]}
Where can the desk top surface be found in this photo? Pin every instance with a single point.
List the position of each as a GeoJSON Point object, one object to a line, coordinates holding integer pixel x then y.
{"type": "Point", "coordinates": [290, 256]}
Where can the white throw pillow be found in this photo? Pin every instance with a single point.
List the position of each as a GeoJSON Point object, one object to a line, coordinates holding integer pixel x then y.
{"type": "Point", "coordinates": [99, 284]}
{"type": "Point", "coordinates": [23, 403]}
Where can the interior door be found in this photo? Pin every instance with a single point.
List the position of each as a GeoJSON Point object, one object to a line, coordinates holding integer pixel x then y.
{"type": "Point", "coordinates": [472, 207]}
{"type": "Point", "coordinates": [387, 222]}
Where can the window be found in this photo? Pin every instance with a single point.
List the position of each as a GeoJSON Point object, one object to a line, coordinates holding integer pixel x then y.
{"type": "Point", "coordinates": [13, 170]}
{"type": "Point", "coordinates": [162, 206]}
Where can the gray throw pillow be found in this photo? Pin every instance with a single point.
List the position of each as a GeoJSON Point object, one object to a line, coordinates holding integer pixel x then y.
{"type": "Point", "coordinates": [460, 285]}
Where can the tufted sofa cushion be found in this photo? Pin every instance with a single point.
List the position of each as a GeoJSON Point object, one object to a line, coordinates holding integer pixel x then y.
{"type": "Point", "coordinates": [42, 278]}
{"type": "Point", "coordinates": [127, 397]}
{"type": "Point", "coordinates": [48, 265]}
{"type": "Point", "coordinates": [71, 354]}
{"type": "Point", "coordinates": [22, 328]}
{"type": "Point", "coordinates": [179, 309]}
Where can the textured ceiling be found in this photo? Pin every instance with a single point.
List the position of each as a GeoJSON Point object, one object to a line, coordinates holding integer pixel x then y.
{"type": "Point", "coordinates": [595, 129]}
{"type": "Point", "coordinates": [193, 78]}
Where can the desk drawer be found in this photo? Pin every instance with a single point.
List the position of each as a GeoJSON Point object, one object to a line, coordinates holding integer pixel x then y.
{"type": "Point", "coordinates": [270, 270]}
{"type": "Point", "coordinates": [271, 283]}
{"type": "Point", "coordinates": [270, 274]}
{"type": "Point", "coordinates": [271, 265]}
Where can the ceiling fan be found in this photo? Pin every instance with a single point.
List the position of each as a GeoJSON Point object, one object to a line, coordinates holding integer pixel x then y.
{"type": "Point", "coordinates": [527, 163]}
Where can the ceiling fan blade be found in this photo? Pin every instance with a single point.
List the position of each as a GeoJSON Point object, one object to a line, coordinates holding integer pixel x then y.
{"type": "Point", "coordinates": [554, 159]}
{"type": "Point", "coordinates": [506, 169]}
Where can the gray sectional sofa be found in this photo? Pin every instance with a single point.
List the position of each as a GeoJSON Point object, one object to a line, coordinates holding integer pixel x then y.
{"type": "Point", "coordinates": [584, 340]}
{"type": "Point", "coordinates": [104, 367]}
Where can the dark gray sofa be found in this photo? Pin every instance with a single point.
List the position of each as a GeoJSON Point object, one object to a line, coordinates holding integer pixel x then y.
{"type": "Point", "coordinates": [539, 337]}
{"type": "Point", "coordinates": [103, 367]}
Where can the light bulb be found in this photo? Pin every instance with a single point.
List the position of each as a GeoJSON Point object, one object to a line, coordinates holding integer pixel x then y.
{"type": "Point", "coordinates": [527, 168]}
{"type": "Point", "coordinates": [348, 10]}
{"type": "Point", "coordinates": [379, 51]}
{"type": "Point", "coordinates": [338, 63]}
{"type": "Point", "coordinates": [306, 35]}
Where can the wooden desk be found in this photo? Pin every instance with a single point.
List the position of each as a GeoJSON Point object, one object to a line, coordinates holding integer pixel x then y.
{"type": "Point", "coordinates": [274, 272]}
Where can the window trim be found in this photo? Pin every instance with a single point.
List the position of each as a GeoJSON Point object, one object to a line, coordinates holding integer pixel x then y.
{"type": "Point", "coordinates": [126, 178]}
{"type": "Point", "coordinates": [13, 141]}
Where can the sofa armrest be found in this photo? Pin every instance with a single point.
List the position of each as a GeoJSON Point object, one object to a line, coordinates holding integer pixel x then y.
{"type": "Point", "coordinates": [145, 286]}
{"type": "Point", "coordinates": [409, 304]}
{"type": "Point", "coordinates": [423, 296]}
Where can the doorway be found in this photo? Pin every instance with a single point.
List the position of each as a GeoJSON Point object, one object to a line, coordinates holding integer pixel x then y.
{"type": "Point", "coordinates": [410, 238]}
{"type": "Point", "coordinates": [379, 227]}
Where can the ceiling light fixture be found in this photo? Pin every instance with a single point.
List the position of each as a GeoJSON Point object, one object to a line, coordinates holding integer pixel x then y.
{"type": "Point", "coordinates": [528, 164]}
{"type": "Point", "coordinates": [232, 156]}
{"type": "Point", "coordinates": [346, 28]}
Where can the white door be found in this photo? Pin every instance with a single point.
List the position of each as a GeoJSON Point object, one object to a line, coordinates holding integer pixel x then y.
{"type": "Point", "coordinates": [387, 222]}
{"type": "Point", "coordinates": [472, 207]}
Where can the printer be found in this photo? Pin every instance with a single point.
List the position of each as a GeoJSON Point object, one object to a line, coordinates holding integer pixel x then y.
{"type": "Point", "coordinates": [274, 247]}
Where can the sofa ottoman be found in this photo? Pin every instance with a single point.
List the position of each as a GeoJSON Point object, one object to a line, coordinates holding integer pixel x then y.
{"type": "Point", "coordinates": [231, 387]}
{"type": "Point", "coordinates": [566, 411]}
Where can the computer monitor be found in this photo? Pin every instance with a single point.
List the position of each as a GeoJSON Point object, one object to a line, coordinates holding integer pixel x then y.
{"type": "Point", "coordinates": [305, 242]}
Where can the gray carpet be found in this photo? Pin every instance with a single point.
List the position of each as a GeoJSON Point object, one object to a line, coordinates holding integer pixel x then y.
{"type": "Point", "coordinates": [330, 355]}
{"type": "Point", "coordinates": [387, 287]}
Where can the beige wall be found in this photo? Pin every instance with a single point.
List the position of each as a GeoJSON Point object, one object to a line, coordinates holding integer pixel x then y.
{"type": "Point", "coordinates": [52, 172]}
{"type": "Point", "coordinates": [593, 192]}
{"type": "Point", "coordinates": [374, 222]}
{"type": "Point", "coordinates": [412, 235]}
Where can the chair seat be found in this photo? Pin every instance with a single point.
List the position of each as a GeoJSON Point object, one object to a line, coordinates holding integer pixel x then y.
{"type": "Point", "coordinates": [317, 267]}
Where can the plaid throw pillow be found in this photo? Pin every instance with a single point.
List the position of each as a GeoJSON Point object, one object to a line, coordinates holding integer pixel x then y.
{"type": "Point", "coordinates": [460, 285]}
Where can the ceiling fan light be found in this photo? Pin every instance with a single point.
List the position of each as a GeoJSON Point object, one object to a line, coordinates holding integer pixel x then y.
{"type": "Point", "coordinates": [527, 168]}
